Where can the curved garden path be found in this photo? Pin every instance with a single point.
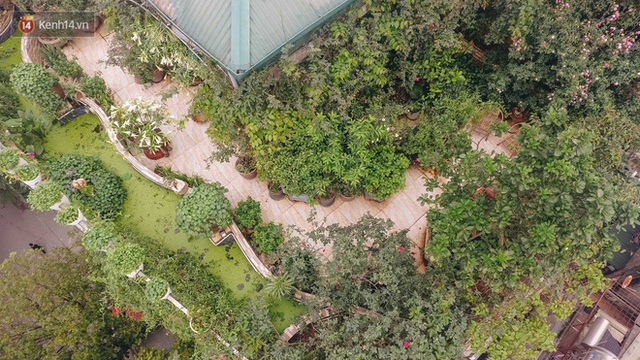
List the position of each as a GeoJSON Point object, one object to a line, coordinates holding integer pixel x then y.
{"type": "Point", "coordinates": [192, 148]}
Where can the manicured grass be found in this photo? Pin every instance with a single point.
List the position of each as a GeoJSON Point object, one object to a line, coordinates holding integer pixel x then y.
{"type": "Point", "coordinates": [150, 211]}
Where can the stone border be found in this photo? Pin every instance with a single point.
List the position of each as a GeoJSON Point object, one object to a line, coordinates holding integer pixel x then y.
{"type": "Point", "coordinates": [8, 31]}
{"type": "Point", "coordinates": [30, 50]}
{"type": "Point", "coordinates": [178, 186]}
{"type": "Point", "coordinates": [248, 252]}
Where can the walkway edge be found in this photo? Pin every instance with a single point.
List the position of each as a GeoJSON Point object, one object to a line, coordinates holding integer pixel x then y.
{"type": "Point", "coordinates": [248, 252]}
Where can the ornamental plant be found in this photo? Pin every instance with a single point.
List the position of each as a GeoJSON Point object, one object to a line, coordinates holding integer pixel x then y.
{"type": "Point", "coordinates": [34, 82]}
{"type": "Point", "coordinates": [155, 289]}
{"type": "Point", "coordinates": [125, 258]}
{"type": "Point", "coordinates": [99, 236]}
{"type": "Point", "coordinates": [140, 121]}
{"type": "Point", "coordinates": [8, 159]}
{"type": "Point", "coordinates": [45, 195]}
{"type": "Point", "coordinates": [95, 88]}
{"type": "Point", "coordinates": [103, 193]}
{"type": "Point", "coordinates": [67, 215]}
{"type": "Point", "coordinates": [206, 206]}
{"type": "Point", "coordinates": [27, 172]}
{"type": "Point", "coordinates": [58, 61]}
{"type": "Point", "coordinates": [248, 214]}
{"type": "Point", "coordinates": [386, 172]}
{"type": "Point", "coordinates": [268, 237]}
{"type": "Point", "coordinates": [279, 286]}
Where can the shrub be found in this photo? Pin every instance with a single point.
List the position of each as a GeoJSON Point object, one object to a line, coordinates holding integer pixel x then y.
{"type": "Point", "coordinates": [386, 172]}
{"type": "Point", "coordinates": [279, 286]}
{"type": "Point", "coordinates": [99, 236]}
{"type": "Point", "coordinates": [204, 207]}
{"type": "Point", "coordinates": [34, 82]}
{"type": "Point", "coordinates": [108, 195]}
{"type": "Point", "coordinates": [95, 88]}
{"type": "Point", "coordinates": [45, 195]}
{"type": "Point", "coordinates": [9, 100]}
{"type": "Point", "coordinates": [27, 172]}
{"type": "Point", "coordinates": [268, 237]}
{"type": "Point", "coordinates": [155, 289]}
{"type": "Point", "coordinates": [67, 215]}
{"type": "Point", "coordinates": [125, 258]}
{"type": "Point", "coordinates": [248, 214]}
{"type": "Point", "coordinates": [59, 62]}
{"type": "Point", "coordinates": [8, 159]}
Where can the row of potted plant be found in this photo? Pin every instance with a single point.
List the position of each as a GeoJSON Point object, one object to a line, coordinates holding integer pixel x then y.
{"type": "Point", "coordinates": [15, 167]}
{"type": "Point", "coordinates": [137, 124]}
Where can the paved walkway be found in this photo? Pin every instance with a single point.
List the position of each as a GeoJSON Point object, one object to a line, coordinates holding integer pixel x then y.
{"type": "Point", "coordinates": [192, 149]}
{"type": "Point", "coordinates": [19, 227]}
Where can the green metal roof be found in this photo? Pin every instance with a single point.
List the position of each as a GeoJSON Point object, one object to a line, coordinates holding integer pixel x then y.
{"type": "Point", "coordinates": [244, 34]}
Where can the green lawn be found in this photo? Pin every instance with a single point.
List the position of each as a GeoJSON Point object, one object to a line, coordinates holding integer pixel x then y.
{"type": "Point", "coordinates": [150, 211]}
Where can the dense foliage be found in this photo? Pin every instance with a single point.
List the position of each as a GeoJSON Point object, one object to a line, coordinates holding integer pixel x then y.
{"type": "Point", "coordinates": [34, 82]}
{"type": "Point", "coordinates": [382, 307]}
{"type": "Point", "coordinates": [248, 215]}
{"type": "Point", "coordinates": [99, 236]}
{"type": "Point", "coordinates": [57, 60]}
{"type": "Point", "coordinates": [155, 289]}
{"type": "Point", "coordinates": [50, 310]}
{"type": "Point", "coordinates": [45, 195]}
{"type": "Point", "coordinates": [67, 215]}
{"type": "Point", "coordinates": [104, 193]}
{"type": "Point", "coordinates": [8, 98]}
{"type": "Point", "coordinates": [268, 237]}
{"type": "Point", "coordinates": [125, 258]}
{"type": "Point", "coordinates": [203, 208]}
{"type": "Point", "coordinates": [506, 232]}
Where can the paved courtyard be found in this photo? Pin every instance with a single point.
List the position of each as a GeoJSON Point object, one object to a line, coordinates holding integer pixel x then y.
{"type": "Point", "coordinates": [192, 149]}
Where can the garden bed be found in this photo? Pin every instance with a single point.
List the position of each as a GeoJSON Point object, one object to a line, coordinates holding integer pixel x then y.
{"type": "Point", "coordinates": [150, 211]}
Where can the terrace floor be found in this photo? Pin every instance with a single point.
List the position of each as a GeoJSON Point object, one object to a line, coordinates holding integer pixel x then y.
{"type": "Point", "coordinates": [192, 149]}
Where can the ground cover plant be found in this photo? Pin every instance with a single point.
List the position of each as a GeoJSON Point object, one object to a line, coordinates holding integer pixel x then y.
{"type": "Point", "coordinates": [87, 182]}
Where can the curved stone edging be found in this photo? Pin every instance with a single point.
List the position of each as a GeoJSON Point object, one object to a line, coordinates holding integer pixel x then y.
{"type": "Point", "coordinates": [249, 254]}
{"type": "Point", "coordinates": [178, 186]}
{"type": "Point", "coordinates": [30, 50]}
{"type": "Point", "coordinates": [6, 33]}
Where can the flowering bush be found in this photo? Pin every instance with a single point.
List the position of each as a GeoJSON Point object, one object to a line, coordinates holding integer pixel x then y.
{"type": "Point", "coordinates": [140, 120]}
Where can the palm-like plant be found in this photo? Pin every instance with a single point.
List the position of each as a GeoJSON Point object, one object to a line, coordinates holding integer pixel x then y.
{"type": "Point", "coordinates": [279, 286]}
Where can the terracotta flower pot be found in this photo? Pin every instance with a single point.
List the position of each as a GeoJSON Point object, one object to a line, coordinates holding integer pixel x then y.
{"type": "Point", "coordinates": [247, 175]}
{"type": "Point", "coordinates": [157, 76]}
{"type": "Point", "coordinates": [57, 88]}
{"type": "Point", "coordinates": [413, 115]}
{"type": "Point", "coordinates": [276, 194]}
{"type": "Point", "coordinates": [196, 81]}
{"type": "Point", "coordinates": [153, 156]}
{"type": "Point", "coordinates": [328, 201]}
{"type": "Point", "coordinates": [199, 118]}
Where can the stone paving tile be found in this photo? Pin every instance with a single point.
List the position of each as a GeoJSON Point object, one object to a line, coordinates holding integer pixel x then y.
{"type": "Point", "coordinates": [192, 149]}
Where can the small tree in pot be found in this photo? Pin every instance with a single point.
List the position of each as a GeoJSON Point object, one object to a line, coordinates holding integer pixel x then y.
{"type": "Point", "coordinates": [204, 207]}
{"type": "Point", "coordinates": [155, 289]}
{"type": "Point", "coordinates": [139, 121]}
{"type": "Point", "coordinates": [248, 214]}
{"type": "Point", "coordinates": [125, 258]}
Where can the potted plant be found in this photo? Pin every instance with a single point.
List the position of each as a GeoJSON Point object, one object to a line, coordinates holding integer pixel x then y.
{"type": "Point", "coordinates": [126, 259]}
{"type": "Point", "coordinates": [139, 121]}
{"type": "Point", "coordinates": [275, 191]}
{"type": "Point", "coordinates": [347, 192]}
{"type": "Point", "coordinates": [199, 118]}
{"type": "Point", "coordinates": [156, 289]}
{"type": "Point", "coordinates": [246, 166]}
{"type": "Point", "coordinates": [36, 84]}
{"type": "Point", "coordinates": [328, 196]}
{"type": "Point", "coordinates": [386, 174]}
{"type": "Point", "coordinates": [248, 214]}
{"type": "Point", "coordinates": [100, 237]}
{"type": "Point", "coordinates": [268, 237]}
{"type": "Point", "coordinates": [69, 215]}
{"type": "Point", "coordinates": [58, 61]}
{"type": "Point", "coordinates": [205, 206]}
{"type": "Point", "coordinates": [9, 159]}
{"type": "Point", "coordinates": [45, 196]}
{"type": "Point", "coordinates": [157, 75]}
{"type": "Point", "coordinates": [29, 174]}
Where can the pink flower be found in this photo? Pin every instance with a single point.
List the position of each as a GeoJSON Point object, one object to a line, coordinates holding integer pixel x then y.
{"type": "Point", "coordinates": [413, 253]}
{"type": "Point", "coordinates": [323, 250]}
{"type": "Point", "coordinates": [31, 154]}
{"type": "Point", "coordinates": [401, 249]}
{"type": "Point", "coordinates": [337, 267]}
{"type": "Point", "coordinates": [417, 79]}
{"type": "Point", "coordinates": [222, 357]}
{"type": "Point", "coordinates": [364, 347]}
{"type": "Point", "coordinates": [406, 343]}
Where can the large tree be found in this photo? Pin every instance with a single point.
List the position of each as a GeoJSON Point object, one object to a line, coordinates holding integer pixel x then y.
{"type": "Point", "coordinates": [383, 308]}
{"type": "Point", "coordinates": [516, 235]}
{"type": "Point", "coordinates": [50, 310]}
